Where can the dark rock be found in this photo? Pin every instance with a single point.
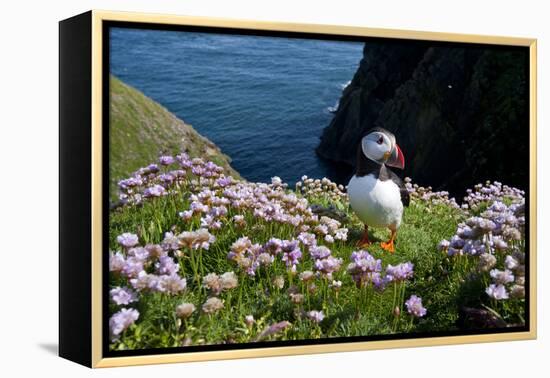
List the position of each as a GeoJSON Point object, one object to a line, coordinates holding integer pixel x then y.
{"type": "Point", "coordinates": [477, 318]}
{"type": "Point", "coordinates": [459, 112]}
{"type": "Point", "coordinates": [329, 211]}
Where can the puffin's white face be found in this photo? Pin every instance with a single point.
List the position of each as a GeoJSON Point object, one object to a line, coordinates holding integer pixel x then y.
{"type": "Point", "coordinates": [382, 148]}
{"type": "Point", "coordinates": [377, 146]}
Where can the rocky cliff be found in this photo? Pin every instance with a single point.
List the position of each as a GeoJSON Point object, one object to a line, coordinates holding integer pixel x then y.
{"type": "Point", "coordinates": [459, 112]}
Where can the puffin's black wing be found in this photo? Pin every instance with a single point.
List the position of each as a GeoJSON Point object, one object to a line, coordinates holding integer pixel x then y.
{"type": "Point", "coordinates": [387, 174]}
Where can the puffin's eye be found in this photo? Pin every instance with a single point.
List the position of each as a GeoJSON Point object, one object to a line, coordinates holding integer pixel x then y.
{"type": "Point", "coordinates": [380, 140]}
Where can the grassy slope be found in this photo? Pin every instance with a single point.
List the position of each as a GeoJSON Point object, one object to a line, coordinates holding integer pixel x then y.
{"type": "Point", "coordinates": [437, 279]}
{"type": "Point", "coordinates": [140, 128]}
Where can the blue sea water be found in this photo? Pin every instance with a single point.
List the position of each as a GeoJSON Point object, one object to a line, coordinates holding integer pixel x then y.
{"type": "Point", "coordinates": [263, 100]}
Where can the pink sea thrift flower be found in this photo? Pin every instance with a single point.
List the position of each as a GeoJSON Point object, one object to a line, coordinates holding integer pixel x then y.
{"type": "Point", "coordinates": [121, 320]}
{"type": "Point", "coordinates": [414, 306]}
{"type": "Point", "coordinates": [127, 240]}
{"type": "Point", "coordinates": [497, 292]}
{"type": "Point", "coordinates": [316, 316]}
{"type": "Point", "coordinates": [123, 295]}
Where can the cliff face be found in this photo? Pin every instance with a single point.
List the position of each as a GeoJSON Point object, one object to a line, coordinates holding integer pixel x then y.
{"type": "Point", "coordinates": [460, 114]}
{"type": "Point", "coordinates": [140, 129]}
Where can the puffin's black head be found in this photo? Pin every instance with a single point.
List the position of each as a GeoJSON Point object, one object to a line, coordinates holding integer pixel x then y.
{"type": "Point", "coordinates": [379, 146]}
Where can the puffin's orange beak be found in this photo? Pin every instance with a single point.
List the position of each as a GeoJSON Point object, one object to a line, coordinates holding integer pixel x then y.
{"type": "Point", "coordinates": [397, 159]}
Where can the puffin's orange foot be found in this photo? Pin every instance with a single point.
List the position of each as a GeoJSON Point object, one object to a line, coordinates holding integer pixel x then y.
{"type": "Point", "coordinates": [388, 246]}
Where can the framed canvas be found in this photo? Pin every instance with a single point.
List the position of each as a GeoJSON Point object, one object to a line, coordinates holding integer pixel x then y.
{"type": "Point", "coordinates": [235, 189]}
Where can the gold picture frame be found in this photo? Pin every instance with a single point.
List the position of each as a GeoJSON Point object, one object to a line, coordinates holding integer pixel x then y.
{"type": "Point", "coordinates": [90, 267]}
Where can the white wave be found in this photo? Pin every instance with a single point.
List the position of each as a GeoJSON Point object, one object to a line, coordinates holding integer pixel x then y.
{"type": "Point", "coordinates": [334, 109]}
{"type": "Point", "coordinates": [345, 85]}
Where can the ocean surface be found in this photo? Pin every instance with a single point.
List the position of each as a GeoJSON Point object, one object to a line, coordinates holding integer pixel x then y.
{"type": "Point", "coordinates": [263, 100]}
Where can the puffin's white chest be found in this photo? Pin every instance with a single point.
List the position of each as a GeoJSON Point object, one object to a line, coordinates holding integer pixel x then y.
{"type": "Point", "coordinates": [377, 203]}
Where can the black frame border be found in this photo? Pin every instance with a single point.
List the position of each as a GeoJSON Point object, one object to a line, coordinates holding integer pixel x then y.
{"type": "Point", "coordinates": [106, 353]}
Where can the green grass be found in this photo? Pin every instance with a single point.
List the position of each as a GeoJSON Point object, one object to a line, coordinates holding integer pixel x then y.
{"type": "Point", "coordinates": [438, 279]}
{"type": "Point", "coordinates": [140, 127]}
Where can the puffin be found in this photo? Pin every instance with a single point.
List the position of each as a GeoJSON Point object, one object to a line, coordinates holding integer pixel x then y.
{"type": "Point", "coordinates": [376, 194]}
